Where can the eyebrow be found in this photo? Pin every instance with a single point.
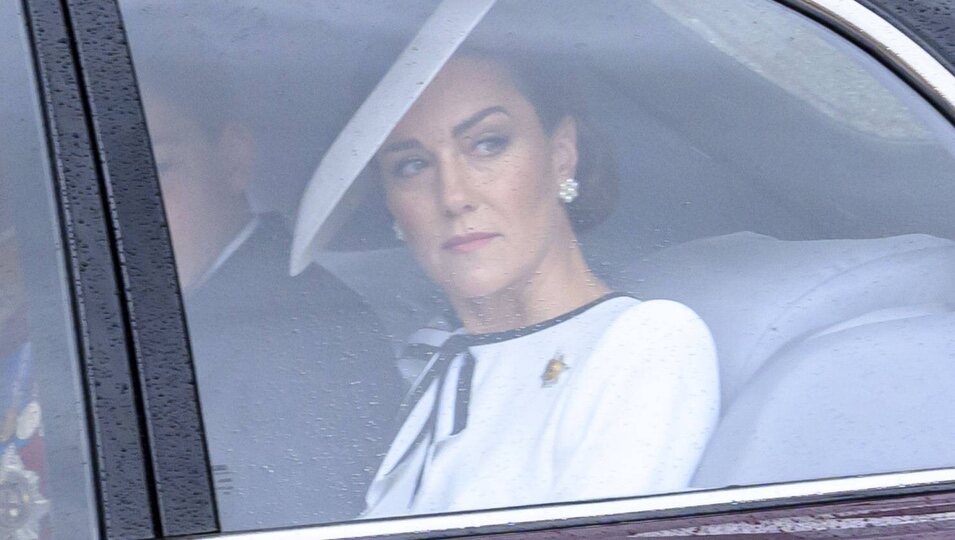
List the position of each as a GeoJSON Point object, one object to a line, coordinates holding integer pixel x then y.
{"type": "Point", "coordinates": [401, 145]}
{"type": "Point", "coordinates": [476, 118]}
{"type": "Point", "coordinates": [473, 120]}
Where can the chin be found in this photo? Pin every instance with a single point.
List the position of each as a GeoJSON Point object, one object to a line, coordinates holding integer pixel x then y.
{"type": "Point", "coordinates": [474, 287]}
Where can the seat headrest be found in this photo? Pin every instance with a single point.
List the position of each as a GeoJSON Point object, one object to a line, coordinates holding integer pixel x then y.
{"type": "Point", "coordinates": [759, 294]}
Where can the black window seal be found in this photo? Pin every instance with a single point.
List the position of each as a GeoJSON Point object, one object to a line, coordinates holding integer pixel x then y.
{"type": "Point", "coordinates": [121, 475]}
{"type": "Point", "coordinates": [177, 458]}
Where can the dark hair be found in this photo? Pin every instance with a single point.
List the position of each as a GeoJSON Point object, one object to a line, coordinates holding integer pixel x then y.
{"type": "Point", "coordinates": [551, 84]}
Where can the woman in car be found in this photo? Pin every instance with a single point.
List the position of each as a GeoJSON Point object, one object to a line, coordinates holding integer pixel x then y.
{"type": "Point", "coordinates": [545, 385]}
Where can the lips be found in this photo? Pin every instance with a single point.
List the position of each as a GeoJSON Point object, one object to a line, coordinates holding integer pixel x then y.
{"type": "Point", "coordinates": [466, 243]}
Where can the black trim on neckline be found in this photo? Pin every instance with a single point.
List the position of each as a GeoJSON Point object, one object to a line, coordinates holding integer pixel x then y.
{"type": "Point", "coordinates": [454, 345]}
{"type": "Point", "coordinates": [504, 335]}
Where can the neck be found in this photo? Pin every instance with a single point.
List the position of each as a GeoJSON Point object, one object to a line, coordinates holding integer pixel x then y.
{"type": "Point", "coordinates": [567, 284]}
{"type": "Point", "coordinates": [221, 231]}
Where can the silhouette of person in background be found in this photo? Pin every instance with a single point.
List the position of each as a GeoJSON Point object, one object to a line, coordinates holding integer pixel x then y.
{"type": "Point", "coordinates": [297, 384]}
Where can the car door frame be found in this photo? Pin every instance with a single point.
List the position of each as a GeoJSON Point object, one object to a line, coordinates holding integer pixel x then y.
{"type": "Point", "coordinates": [150, 464]}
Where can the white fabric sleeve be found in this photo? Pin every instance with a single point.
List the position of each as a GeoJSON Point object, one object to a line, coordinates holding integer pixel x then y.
{"type": "Point", "coordinates": [643, 408]}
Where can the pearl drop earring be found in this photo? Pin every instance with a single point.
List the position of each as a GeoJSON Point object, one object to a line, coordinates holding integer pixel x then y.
{"type": "Point", "coordinates": [399, 234]}
{"type": "Point", "coordinates": [568, 190]}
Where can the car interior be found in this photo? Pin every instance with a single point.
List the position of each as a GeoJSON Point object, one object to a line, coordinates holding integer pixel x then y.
{"type": "Point", "coordinates": [809, 231]}
{"type": "Point", "coordinates": [778, 180]}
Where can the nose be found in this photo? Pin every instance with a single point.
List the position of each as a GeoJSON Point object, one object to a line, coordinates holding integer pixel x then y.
{"type": "Point", "coordinates": [455, 187]}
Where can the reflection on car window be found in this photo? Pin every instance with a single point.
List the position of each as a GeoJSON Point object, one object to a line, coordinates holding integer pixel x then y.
{"type": "Point", "coordinates": [45, 489]}
{"type": "Point", "coordinates": [608, 249]}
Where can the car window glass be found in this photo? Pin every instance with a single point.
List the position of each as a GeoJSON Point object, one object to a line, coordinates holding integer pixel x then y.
{"type": "Point", "coordinates": [45, 483]}
{"type": "Point", "coordinates": [601, 230]}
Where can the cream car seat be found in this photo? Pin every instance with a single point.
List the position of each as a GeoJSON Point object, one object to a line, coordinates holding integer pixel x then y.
{"type": "Point", "coordinates": [836, 356]}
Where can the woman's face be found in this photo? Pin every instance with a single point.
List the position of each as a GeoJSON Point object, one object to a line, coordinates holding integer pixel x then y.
{"type": "Point", "coordinates": [472, 177]}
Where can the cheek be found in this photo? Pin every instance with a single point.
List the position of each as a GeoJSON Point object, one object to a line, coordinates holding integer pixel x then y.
{"type": "Point", "coordinates": [528, 169]}
{"type": "Point", "coordinates": [415, 213]}
{"type": "Point", "coordinates": [192, 185]}
{"type": "Point", "coordinates": [420, 218]}
{"type": "Point", "coordinates": [401, 207]}
{"type": "Point", "coordinates": [187, 202]}
{"type": "Point", "coordinates": [527, 196]}
{"type": "Point", "coordinates": [182, 204]}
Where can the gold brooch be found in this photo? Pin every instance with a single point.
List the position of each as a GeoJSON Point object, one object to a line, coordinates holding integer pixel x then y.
{"type": "Point", "coordinates": [552, 371]}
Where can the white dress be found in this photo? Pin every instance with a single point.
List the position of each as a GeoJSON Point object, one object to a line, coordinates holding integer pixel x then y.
{"type": "Point", "coordinates": [617, 398]}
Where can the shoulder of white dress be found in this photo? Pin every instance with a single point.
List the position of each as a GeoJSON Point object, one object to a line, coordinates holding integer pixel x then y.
{"type": "Point", "coordinates": [664, 326]}
{"type": "Point", "coordinates": [659, 312]}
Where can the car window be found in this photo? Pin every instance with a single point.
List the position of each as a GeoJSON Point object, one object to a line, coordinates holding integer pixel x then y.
{"type": "Point", "coordinates": [45, 471]}
{"type": "Point", "coordinates": [450, 256]}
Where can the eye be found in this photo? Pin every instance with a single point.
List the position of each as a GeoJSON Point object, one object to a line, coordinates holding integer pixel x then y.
{"type": "Point", "coordinates": [491, 145]}
{"type": "Point", "coordinates": [406, 168]}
